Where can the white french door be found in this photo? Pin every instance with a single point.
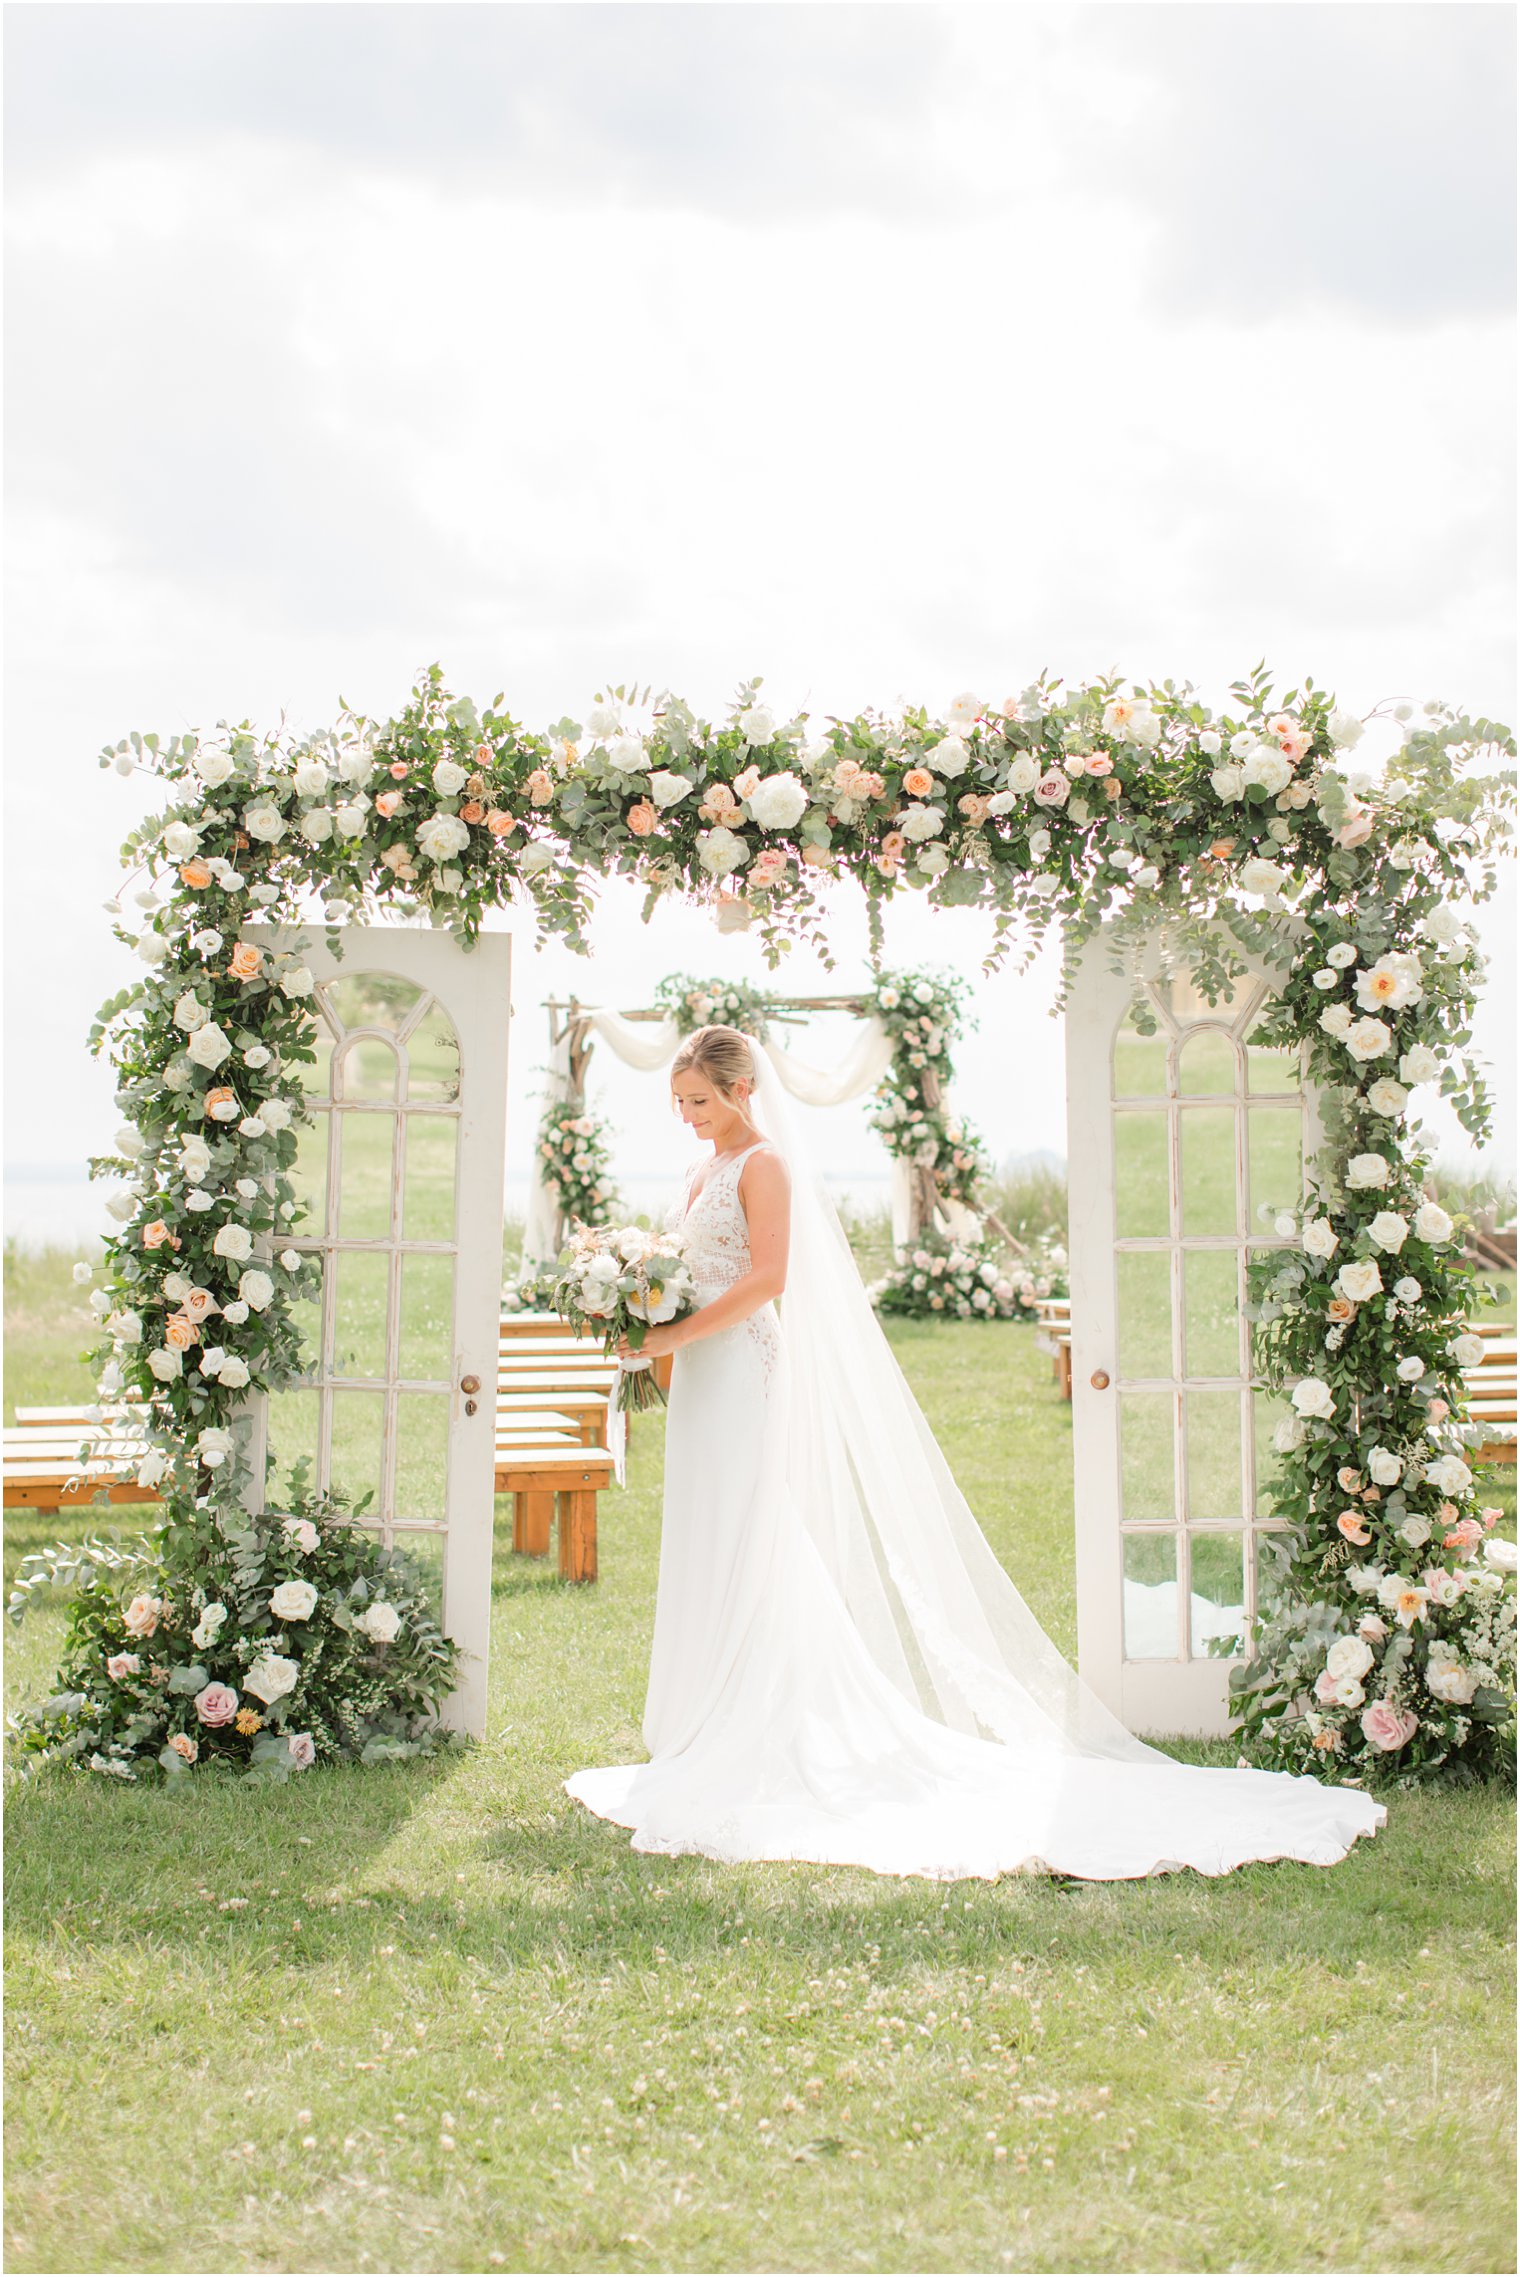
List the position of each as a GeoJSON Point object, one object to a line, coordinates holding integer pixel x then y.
{"type": "Point", "coordinates": [401, 1172]}
{"type": "Point", "coordinates": [1186, 1137]}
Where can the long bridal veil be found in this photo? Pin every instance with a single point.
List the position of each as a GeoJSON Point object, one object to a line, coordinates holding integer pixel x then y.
{"type": "Point", "coordinates": [937, 1612]}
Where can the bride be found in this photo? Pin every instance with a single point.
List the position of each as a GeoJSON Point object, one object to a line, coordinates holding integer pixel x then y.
{"type": "Point", "coordinates": [841, 1670]}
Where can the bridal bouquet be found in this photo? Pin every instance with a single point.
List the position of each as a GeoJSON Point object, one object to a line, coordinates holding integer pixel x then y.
{"type": "Point", "coordinates": [622, 1281]}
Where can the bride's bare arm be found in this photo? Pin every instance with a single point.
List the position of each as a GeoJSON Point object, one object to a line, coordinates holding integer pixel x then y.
{"type": "Point", "coordinates": [765, 1192]}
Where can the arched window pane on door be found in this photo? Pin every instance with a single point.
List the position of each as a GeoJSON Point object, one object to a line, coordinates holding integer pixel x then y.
{"type": "Point", "coordinates": [378, 1173]}
{"type": "Point", "coordinates": [1188, 1126]}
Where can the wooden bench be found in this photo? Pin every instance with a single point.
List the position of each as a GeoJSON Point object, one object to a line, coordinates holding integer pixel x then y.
{"type": "Point", "coordinates": [1053, 1318]}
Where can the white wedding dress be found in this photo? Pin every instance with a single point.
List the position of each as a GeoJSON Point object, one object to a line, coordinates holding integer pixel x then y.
{"type": "Point", "coordinates": [817, 1691]}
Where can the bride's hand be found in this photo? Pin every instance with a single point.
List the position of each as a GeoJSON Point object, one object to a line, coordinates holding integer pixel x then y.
{"type": "Point", "coordinates": [655, 1346]}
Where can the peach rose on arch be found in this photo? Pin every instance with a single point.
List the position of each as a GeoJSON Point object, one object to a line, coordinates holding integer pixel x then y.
{"type": "Point", "coordinates": [499, 822]}
{"type": "Point", "coordinates": [246, 961]}
{"type": "Point", "coordinates": [642, 819]}
{"type": "Point", "coordinates": [195, 874]}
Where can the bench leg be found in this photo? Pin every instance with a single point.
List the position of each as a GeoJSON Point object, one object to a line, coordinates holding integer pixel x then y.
{"type": "Point", "coordinates": [1063, 1370]}
{"type": "Point", "coordinates": [577, 1534]}
{"type": "Point", "coordinates": [532, 1517]}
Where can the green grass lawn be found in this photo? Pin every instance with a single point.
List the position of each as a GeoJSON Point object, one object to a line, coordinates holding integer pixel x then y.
{"type": "Point", "coordinates": [436, 2017]}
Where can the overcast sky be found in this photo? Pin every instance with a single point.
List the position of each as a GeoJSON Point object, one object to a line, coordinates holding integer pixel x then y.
{"type": "Point", "coordinates": [881, 350]}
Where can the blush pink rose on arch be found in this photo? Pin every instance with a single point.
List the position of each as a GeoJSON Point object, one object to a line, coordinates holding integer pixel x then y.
{"type": "Point", "coordinates": [1052, 789]}
{"type": "Point", "coordinates": [216, 1705]}
{"type": "Point", "coordinates": [141, 1616]}
{"type": "Point", "coordinates": [1383, 1726]}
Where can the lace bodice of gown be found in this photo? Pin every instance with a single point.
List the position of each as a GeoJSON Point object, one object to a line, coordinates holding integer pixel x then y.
{"type": "Point", "coordinates": [717, 1246]}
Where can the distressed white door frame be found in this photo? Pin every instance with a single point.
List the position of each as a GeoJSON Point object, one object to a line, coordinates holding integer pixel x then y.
{"type": "Point", "coordinates": [473, 988]}
{"type": "Point", "coordinates": [1188, 1693]}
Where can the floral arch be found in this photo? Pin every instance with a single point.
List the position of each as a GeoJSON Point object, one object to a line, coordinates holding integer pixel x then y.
{"type": "Point", "coordinates": [1101, 804]}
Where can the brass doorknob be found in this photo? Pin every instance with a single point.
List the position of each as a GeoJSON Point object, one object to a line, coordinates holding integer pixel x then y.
{"type": "Point", "coordinates": [469, 1383]}
{"type": "Point", "coordinates": [1100, 1379]}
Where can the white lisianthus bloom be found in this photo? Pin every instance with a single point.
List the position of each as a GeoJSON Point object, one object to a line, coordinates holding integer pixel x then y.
{"type": "Point", "coordinates": [720, 851]}
{"type": "Point", "coordinates": [351, 817]}
{"type": "Point", "coordinates": [297, 981]}
{"type": "Point", "coordinates": [1384, 1467]}
{"type": "Point", "coordinates": [1409, 1371]}
{"type": "Point", "coordinates": [380, 1622]}
{"type": "Point", "coordinates": [667, 789]}
{"type": "Point", "coordinates": [1345, 730]}
{"type": "Point", "coordinates": [1349, 1656]}
{"type": "Point", "coordinates": [922, 822]}
{"type": "Point", "coordinates": [1266, 769]}
{"type": "Point", "coordinates": [1432, 1224]}
{"type": "Point", "coordinates": [1242, 741]}
{"type": "Point", "coordinates": [1407, 1290]}
{"type": "Point", "coordinates": [1228, 782]}
{"type": "Point", "coordinates": [264, 822]}
{"type": "Point", "coordinates": [235, 1313]}
{"type": "Point", "coordinates": [207, 942]}
{"type": "Point", "coordinates": [293, 1601]}
{"type": "Point", "coordinates": [1389, 1231]}
{"type": "Point", "coordinates": [1403, 854]}
{"type": "Point", "coordinates": [271, 1677]}
{"type": "Point", "coordinates": [1419, 1065]}
{"type": "Point", "coordinates": [253, 1126]}
{"type": "Point", "coordinates": [1327, 977]}
{"type": "Point", "coordinates": [1312, 1396]}
{"type": "Point", "coordinates": [1385, 1097]}
{"type": "Point", "coordinates": [779, 802]}
{"type": "Point", "coordinates": [441, 837]}
{"type": "Point", "coordinates": [1448, 1474]}
{"type": "Point", "coordinates": [233, 1241]}
{"type": "Point", "coordinates": [757, 725]}
{"type": "Point", "coordinates": [1265, 878]}
{"type": "Point", "coordinates": [213, 768]}
{"type": "Point", "coordinates": [1342, 954]}
{"type": "Point", "coordinates": [209, 1045]}
{"type": "Point", "coordinates": [1336, 1019]}
{"type": "Point", "coordinates": [1359, 1280]}
{"type": "Point", "coordinates": [449, 778]}
{"type": "Point", "coordinates": [1366, 1173]}
{"type": "Point", "coordinates": [949, 757]}
{"type": "Point", "coordinates": [181, 840]}
{"type": "Point", "coordinates": [1367, 1039]}
{"type": "Point", "coordinates": [290, 1259]}
{"type": "Point", "coordinates": [1210, 743]}
{"type": "Point", "coordinates": [1466, 1349]}
{"type": "Point", "coordinates": [208, 1627]}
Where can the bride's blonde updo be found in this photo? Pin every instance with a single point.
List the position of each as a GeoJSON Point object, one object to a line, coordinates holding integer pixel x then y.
{"type": "Point", "coordinates": [723, 1055]}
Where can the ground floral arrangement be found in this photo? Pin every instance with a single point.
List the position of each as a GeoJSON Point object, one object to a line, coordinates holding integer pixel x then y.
{"type": "Point", "coordinates": [970, 1281]}
{"type": "Point", "coordinates": [577, 1162]}
{"type": "Point", "coordinates": [1136, 807]}
{"type": "Point", "coordinates": [283, 1639]}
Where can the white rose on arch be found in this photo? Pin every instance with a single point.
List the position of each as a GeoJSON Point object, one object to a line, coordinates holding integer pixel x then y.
{"type": "Point", "coordinates": [380, 1622]}
{"type": "Point", "coordinates": [317, 826]}
{"type": "Point", "coordinates": [1419, 1065]}
{"type": "Point", "coordinates": [233, 1241]}
{"type": "Point", "coordinates": [922, 822]}
{"type": "Point", "coordinates": [667, 788]}
{"type": "Point", "coordinates": [1388, 1232]}
{"type": "Point", "coordinates": [213, 768]}
{"type": "Point", "coordinates": [1312, 1396]}
{"type": "Point", "coordinates": [293, 1601]}
{"type": "Point", "coordinates": [1448, 1474]}
{"type": "Point", "coordinates": [181, 840]}
{"type": "Point", "coordinates": [778, 802]}
{"type": "Point", "coordinates": [1385, 1097]}
{"type": "Point", "coordinates": [264, 822]}
{"type": "Point", "coordinates": [1319, 1237]}
{"type": "Point", "coordinates": [1265, 878]}
{"type": "Point", "coordinates": [271, 1677]}
{"type": "Point", "coordinates": [1384, 1467]}
{"type": "Point", "coordinates": [1367, 1172]}
{"type": "Point", "coordinates": [1432, 1224]}
{"type": "Point", "coordinates": [949, 757]}
{"type": "Point", "coordinates": [1368, 1039]}
{"type": "Point", "coordinates": [757, 725]}
{"type": "Point", "coordinates": [1345, 730]}
{"type": "Point", "coordinates": [209, 1045]}
{"type": "Point", "coordinates": [720, 851]}
{"type": "Point", "coordinates": [1266, 769]}
{"type": "Point", "coordinates": [1359, 1280]}
{"type": "Point", "coordinates": [449, 778]}
{"type": "Point", "coordinates": [441, 837]}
